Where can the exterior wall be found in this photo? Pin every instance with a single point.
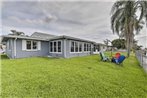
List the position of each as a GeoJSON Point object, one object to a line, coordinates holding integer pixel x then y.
{"type": "Point", "coordinates": [83, 53]}
{"type": "Point", "coordinates": [103, 48]}
{"type": "Point", "coordinates": [56, 54]}
{"type": "Point", "coordinates": [9, 50]}
{"type": "Point", "coordinates": [44, 51]}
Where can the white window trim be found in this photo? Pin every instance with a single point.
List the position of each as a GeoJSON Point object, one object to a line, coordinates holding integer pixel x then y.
{"type": "Point", "coordinates": [87, 48]}
{"type": "Point", "coordinates": [56, 46]}
{"type": "Point", "coordinates": [75, 47]}
{"type": "Point", "coordinates": [32, 46]}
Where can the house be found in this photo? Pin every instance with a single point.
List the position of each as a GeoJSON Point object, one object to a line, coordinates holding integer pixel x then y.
{"type": "Point", "coordinates": [40, 44]}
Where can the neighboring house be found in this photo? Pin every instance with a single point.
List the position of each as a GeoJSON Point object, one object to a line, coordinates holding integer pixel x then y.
{"type": "Point", "coordinates": [40, 44]}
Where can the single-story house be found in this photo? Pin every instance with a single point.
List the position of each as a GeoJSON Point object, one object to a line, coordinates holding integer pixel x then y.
{"type": "Point", "coordinates": [40, 44]}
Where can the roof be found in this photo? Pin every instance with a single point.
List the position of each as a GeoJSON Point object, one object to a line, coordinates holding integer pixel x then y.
{"type": "Point", "coordinates": [72, 38]}
{"type": "Point", "coordinates": [42, 35]}
{"type": "Point", "coordinates": [6, 37]}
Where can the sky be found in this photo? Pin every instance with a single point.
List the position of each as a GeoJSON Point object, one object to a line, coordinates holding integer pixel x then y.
{"type": "Point", "coordinates": [78, 18]}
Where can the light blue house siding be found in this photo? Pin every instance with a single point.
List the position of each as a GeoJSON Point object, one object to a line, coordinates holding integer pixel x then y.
{"type": "Point", "coordinates": [16, 47]}
{"type": "Point", "coordinates": [66, 49]}
{"type": "Point", "coordinates": [44, 50]}
{"type": "Point", "coordinates": [10, 48]}
{"type": "Point", "coordinates": [20, 53]}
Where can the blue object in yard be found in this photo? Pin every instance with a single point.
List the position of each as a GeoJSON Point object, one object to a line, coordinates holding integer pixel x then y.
{"type": "Point", "coordinates": [120, 59]}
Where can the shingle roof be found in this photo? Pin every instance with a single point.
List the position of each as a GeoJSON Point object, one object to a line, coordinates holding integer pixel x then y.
{"type": "Point", "coordinates": [42, 35]}
{"type": "Point", "coordinates": [72, 38]}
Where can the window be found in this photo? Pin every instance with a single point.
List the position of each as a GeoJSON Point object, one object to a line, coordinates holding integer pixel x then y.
{"type": "Point", "coordinates": [28, 45]}
{"type": "Point", "coordinates": [85, 47]}
{"type": "Point", "coordinates": [31, 45]}
{"type": "Point", "coordinates": [76, 46]}
{"type": "Point", "coordinates": [72, 46]}
{"type": "Point", "coordinates": [59, 46]}
{"type": "Point", "coordinates": [80, 47]}
{"type": "Point", "coordinates": [55, 46]}
{"type": "Point", "coordinates": [34, 44]}
{"type": "Point", "coordinates": [94, 48]}
{"type": "Point", "coordinates": [51, 46]}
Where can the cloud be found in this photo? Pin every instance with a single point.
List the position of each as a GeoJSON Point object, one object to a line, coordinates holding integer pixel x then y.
{"type": "Point", "coordinates": [83, 19]}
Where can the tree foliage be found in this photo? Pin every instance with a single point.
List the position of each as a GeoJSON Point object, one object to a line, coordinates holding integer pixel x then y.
{"type": "Point", "coordinates": [119, 43]}
{"type": "Point", "coordinates": [127, 19]}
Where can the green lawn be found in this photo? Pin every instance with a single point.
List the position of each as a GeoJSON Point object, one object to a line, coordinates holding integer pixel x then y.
{"type": "Point", "coordinates": [79, 77]}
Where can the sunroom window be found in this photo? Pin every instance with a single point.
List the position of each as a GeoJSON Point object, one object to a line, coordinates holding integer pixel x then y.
{"type": "Point", "coordinates": [55, 46]}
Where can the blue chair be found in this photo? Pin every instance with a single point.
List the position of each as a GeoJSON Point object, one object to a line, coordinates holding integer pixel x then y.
{"type": "Point", "coordinates": [120, 59]}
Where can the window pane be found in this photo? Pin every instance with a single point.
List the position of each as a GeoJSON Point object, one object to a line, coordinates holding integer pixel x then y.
{"type": "Point", "coordinates": [84, 46]}
{"type": "Point", "coordinates": [34, 44]}
{"type": "Point", "coordinates": [55, 47]}
{"type": "Point", "coordinates": [72, 46]}
{"type": "Point", "coordinates": [51, 46]}
{"type": "Point", "coordinates": [94, 48]}
{"type": "Point", "coordinates": [80, 47]}
{"type": "Point", "coordinates": [59, 46]}
{"type": "Point", "coordinates": [28, 44]}
{"type": "Point", "coordinates": [76, 46]}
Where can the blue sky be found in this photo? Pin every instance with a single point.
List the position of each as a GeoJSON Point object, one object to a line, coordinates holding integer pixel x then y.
{"type": "Point", "coordinates": [83, 19]}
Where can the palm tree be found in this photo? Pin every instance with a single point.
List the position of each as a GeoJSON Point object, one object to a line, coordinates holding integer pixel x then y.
{"type": "Point", "coordinates": [128, 17]}
{"type": "Point", "coordinates": [14, 32]}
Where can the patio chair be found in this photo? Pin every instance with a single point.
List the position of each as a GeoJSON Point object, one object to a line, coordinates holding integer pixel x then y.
{"type": "Point", "coordinates": [119, 60]}
{"type": "Point", "coordinates": [115, 57]}
{"type": "Point", "coordinates": [103, 57]}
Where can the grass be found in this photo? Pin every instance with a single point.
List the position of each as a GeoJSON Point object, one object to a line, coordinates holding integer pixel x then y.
{"type": "Point", "coordinates": [79, 77]}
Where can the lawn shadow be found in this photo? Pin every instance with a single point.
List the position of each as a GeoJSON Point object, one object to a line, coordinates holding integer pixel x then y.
{"type": "Point", "coordinates": [3, 57]}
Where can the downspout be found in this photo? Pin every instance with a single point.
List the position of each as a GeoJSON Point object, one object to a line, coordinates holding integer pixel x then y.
{"type": "Point", "coordinates": [64, 48]}
{"type": "Point", "coordinates": [15, 47]}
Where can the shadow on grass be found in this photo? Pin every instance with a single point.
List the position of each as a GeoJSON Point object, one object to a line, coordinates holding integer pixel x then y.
{"type": "Point", "coordinates": [3, 57]}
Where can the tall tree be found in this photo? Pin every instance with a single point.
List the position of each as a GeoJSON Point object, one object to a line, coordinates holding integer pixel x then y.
{"type": "Point", "coordinates": [127, 19]}
{"type": "Point", "coordinates": [17, 33]}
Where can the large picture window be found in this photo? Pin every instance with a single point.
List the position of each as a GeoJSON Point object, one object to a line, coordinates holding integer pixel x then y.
{"type": "Point", "coordinates": [76, 46]}
{"type": "Point", "coordinates": [55, 46]}
{"type": "Point", "coordinates": [87, 47]}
